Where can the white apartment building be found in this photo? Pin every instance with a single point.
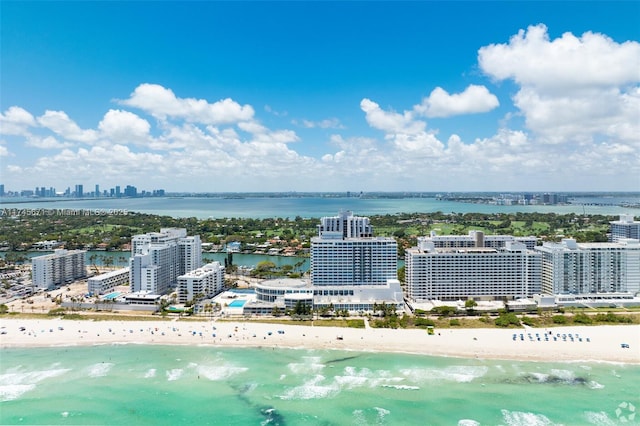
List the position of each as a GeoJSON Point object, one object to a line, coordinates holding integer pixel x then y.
{"type": "Point", "coordinates": [158, 258]}
{"type": "Point", "coordinates": [345, 225]}
{"type": "Point", "coordinates": [202, 283]}
{"type": "Point", "coordinates": [103, 283]}
{"type": "Point", "coordinates": [481, 273]}
{"type": "Point", "coordinates": [569, 267]}
{"type": "Point", "coordinates": [476, 239]}
{"type": "Point", "coordinates": [61, 267]}
{"type": "Point", "coordinates": [624, 228]}
{"type": "Point", "coordinates": [353, 261]}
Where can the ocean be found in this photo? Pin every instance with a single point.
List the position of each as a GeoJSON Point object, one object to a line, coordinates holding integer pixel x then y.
{"type": "Point", "coordinates": [306, 207]}
{"type": "Point", "coordinates": [199, 385]}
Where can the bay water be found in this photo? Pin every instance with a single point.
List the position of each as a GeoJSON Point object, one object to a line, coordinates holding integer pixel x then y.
{"type": "Point", "coordinates": [189, 385]}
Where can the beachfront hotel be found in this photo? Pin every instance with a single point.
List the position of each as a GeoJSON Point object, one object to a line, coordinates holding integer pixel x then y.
{"type": "Point", "coordinates": [345, 252]}
{"type": "Point", "coordinates": [61, 267]}
{"type": "Point", "coordinates": [158, 258]}
{"type": "Point", "coordinates": [351, 270]}
{"type": "Point", "coordinates": [479, 272]}
{"type": "Point", "coordinates": [569, 267]}
{"type": "Point", "coordinates": [623, 228]}
{"type": "Point", "coordinates": [201, 283]}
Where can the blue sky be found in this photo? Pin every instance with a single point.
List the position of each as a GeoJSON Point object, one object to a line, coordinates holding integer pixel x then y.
{"type": "Point", "coordinates": [321, 96]}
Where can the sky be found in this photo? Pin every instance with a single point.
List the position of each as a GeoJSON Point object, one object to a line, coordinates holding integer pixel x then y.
{"type": "Point", "coordinates": [321, 96]}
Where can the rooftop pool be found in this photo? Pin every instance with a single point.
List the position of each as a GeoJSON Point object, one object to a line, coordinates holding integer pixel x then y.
{"type": "Point", "coordinates": [237, 303]}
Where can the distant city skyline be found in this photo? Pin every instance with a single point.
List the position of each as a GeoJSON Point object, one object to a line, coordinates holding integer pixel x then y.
{"type": "Point", "coordinates": [317, 97]}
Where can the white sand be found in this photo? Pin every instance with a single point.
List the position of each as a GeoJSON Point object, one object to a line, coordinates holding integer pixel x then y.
{"type": "Point", "coordinates": [604, 345]}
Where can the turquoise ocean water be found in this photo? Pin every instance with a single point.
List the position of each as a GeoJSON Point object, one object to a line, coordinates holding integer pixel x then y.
{"type": "Point", "coordinates": [189, 385]}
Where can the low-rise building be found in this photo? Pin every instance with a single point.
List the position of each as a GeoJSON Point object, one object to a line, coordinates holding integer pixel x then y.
{"type": "Point", "coordinates": [103, 283]}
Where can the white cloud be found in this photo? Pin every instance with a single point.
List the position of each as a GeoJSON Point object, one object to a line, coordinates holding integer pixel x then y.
{"type": "Point", "coordinates": [532, 59]}
{"type": "Point", "coordinates": [474, 99]}
{"type": "Point", "coordinates": [47, 142]}
{"type": "Point", "coordinates": [162, 103]}
{"type": "Point", "coordinates": [60, 123]}
{"type": "Point", "coordinates": [577, 90]}
{"type": "Point", "coordinates": [390, 122]}
{"type": "Point", "coordinates": [123, 126]}
{"type": "Point", "coordinates": [4, 152]}
{"type": "Point", "coordinates": [329, 123]}
{"type": "Point", "coordinates": [16, 121]}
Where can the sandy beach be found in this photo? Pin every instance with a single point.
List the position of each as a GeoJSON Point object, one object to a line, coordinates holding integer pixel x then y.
{"type": "Point", "coordinates": [594, 343]}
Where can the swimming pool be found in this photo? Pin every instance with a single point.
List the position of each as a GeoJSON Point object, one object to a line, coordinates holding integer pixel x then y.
{"type": "Point", "coordinates": [111, 296]}
{"type": "Point", "coordinates": [237, 303]}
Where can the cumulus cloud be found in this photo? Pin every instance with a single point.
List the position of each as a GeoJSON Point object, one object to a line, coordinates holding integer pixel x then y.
{"type": "Point", "coordinates": [16, 121]}
{"type": "Point", "coordinates": [124, 126]}
{"type": "Point", "coordinates": [60, 123]}
{"type": "Point", "coordinates": [474, 99]}
{"type": "Point", "coordinates": [162, 103]}
{"type": "Point", "coordinates": [579, 90]}
{"type": "Point", "coordinates": [389, 121]}
{"type": "Point", "coordinates": [47, 142]}
{"type": "Point", "coordinates": [532, 59]}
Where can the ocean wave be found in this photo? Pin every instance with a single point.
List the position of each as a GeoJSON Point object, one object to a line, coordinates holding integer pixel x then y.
{"type": "Point", "coordinates": [150, 373]}
{"type": "Point", "coordinates": [369, 416]}
{"type": "Point", "coordinates": [312, 389]}
{"type": "Point", "coordinates": [174, 374]}
{"type": "Point", "coordinates": [599, 419]}
{"type": "Point", "coordinates": [468, 422]}
{"type": "Point", "coordinates": [401, 387]}
{"type": "Point", "coordinates": [100, 370]}
{"type": "Point", "coordinates": [219, 372]}
{"type": "Point", "coordinates": [17, 382]}
{"type": "Point", "coordinates": [310, 365]}
{"type": "Point", "coordinates": [11, 392]}
{"type": "Point", "coordinates": [520, 418]}
{"type": "Point", "coordinates": [457, 373]}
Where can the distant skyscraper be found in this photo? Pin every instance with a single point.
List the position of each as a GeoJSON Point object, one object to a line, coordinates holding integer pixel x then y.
{"type": "Point", "coordinates": [97, 191]}
{"type": "Point", "coordinates": [118, 193]}
{"type": "Point", "coordinates": [79, 191]}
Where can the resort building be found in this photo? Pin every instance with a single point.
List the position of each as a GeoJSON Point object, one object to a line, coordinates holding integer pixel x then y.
{"type": "Point", "coordinates": [569, 267]}
{"type": "Point", "coordinates": [106, 282]}
{"type": "Point", "coordinates": [350, 270]}
{"type": "Point", "coordinates": [482, 273]}
{"type": "Point", "coordinates": [158, 258]}
{"type": "Point", "coordinates": [61, 267]}
{"type": "Point", "coordinates": [202, 283]}
{"type": "Point", "coordinates": [476, 239]}
{"type": "Point", "coordinates": [624, 228]}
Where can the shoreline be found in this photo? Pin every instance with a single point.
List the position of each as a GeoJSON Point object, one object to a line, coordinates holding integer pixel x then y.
{"type": "Point", "coordinates": [587, 343]}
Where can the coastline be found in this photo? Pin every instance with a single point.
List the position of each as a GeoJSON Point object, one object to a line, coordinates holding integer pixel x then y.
{"type": "Point", "coordinates": [604, 342]}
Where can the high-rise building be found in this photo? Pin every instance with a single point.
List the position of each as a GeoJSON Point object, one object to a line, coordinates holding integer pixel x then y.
{"type": "Point", "coordinates": [476, 239]}
{"type": "Point", "coordinates": [1, 189]}
{"type": "Point", "coordinates": [623, 228]}
{"type": "Point", "coordinates": [97, 191]}
{"type": "Point", "coordinates": [569, 267]}
{"type": "Point", "coordinates": [345, 252]}
{"type": "Point", "coordinates": [61, 267]}
{"type": "Point", "coordinates": [79, 193]}
{"type": "Point", "coordinates": [202, 283]}
{"type": "Point", "coordinates": [483, 273]}
{"type": "Point", "coordinates": [158, 258]}
{"type": "Point", "coordinates": [345, 225]}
